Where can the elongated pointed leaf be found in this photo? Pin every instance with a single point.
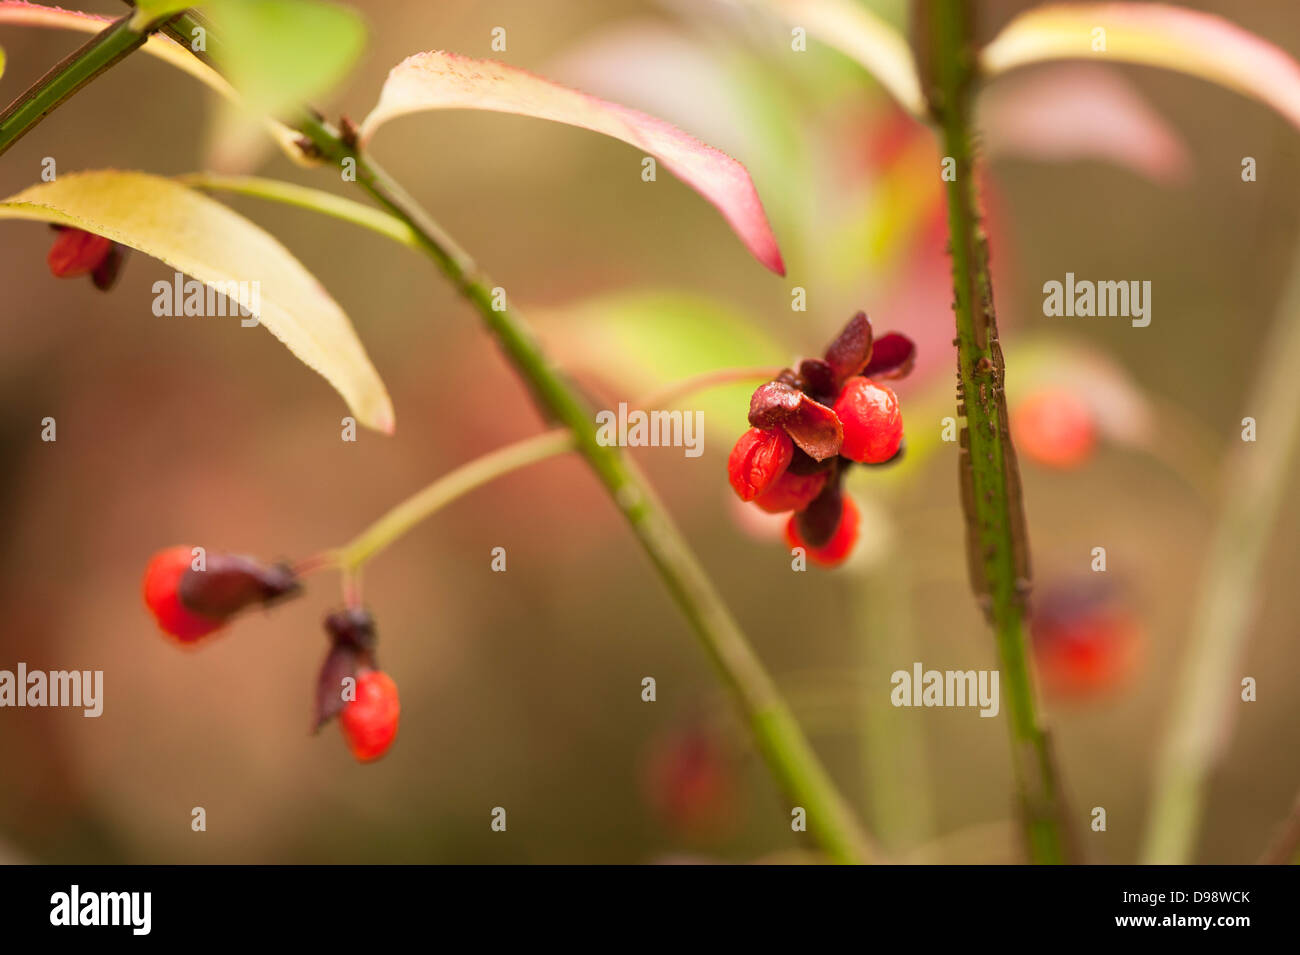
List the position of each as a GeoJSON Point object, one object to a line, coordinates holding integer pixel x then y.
{"type": "Point", "coordinates": [1073, 111]}
{"type": "Point", "coordinates": [438, 80]}
{"type": "Point", "coordinates": [1150, 34]}
{"type": "Point", "coordinates": [209, 242]}
{"type": "Point", "coordinates": [159, 46]}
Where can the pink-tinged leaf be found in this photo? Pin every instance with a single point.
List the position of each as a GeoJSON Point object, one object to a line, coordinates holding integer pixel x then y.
{"type": "Point", "coordinates": [1151, 34]}
{"type": "Point", "coordinates": [438, 80]}
{"type": "Point", "coordinates": [1078, 111]}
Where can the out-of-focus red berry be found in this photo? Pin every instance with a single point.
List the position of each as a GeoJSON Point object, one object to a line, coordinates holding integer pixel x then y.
{"type": "Point", "coordinates": [1084, 654]}
{"type": "Point", "coordinates": [162, 581]}
{"type": "Point", "coordinates": [758, 459]}
{"type": "Point", "coordinates": [691, 783]}
{"type": "Point", "coordinates": [836, 550]}
{"type": "Point", "coordinates": [873, 425]}
{"type": "Point", "coordinates": [792, 492]}
{"type": "Point", "coordinates": [1055, 427]}
{"type": "Point", "coordinates": [76, 252]}
{"type": "Point", "coordinates": [369, 722]}
{"type": "Point", "coordinates": [189, 604]}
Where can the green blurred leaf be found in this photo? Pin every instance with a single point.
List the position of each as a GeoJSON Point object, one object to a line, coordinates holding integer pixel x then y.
{"type": "Point", "coordinates": [642, 341]}
{"type": "Point", "coordinates": [204, 239]}
{"type": "Point", "coordinates": [280, 54]}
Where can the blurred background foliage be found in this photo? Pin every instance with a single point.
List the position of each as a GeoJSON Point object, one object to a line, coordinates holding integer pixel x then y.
{"type": "Point", "coordinates": [522, 689]}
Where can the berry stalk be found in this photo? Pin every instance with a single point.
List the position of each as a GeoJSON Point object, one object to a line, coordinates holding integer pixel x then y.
{"type": "Point", "coordinates": [448, 488]}
{"type": "Point", "coordinates": [997, 546]}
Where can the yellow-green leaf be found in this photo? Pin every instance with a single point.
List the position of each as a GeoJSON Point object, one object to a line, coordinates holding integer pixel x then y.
{"type": "Point", "coordinates": [203, 239]}
{"type": "Point", "coordinates": [855, 31]}
{"type": "Point", "coordinates": [1150, 34]}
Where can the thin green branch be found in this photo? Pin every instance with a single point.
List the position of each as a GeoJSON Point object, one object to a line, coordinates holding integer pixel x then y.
{"type": "Point", "coordinates": [95, 56]}
{"type": "Point", "coordinates": [468, 477]}
{"type": "Point", "coordinates": [997, 544]}
{"type": "Point", "coordinates": [305, 197]}
{"type": "Point", "coordinates": [786, 749]}
{"type": "Point", "coordinates": [1210, 683]}
{"type": "Point", "coordinates": [779, 737]}
{"type": "Point", "coordinates": [448, 488]}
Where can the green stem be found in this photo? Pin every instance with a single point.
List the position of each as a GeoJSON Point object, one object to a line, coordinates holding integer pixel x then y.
{"type": "Point", "coordinates": [1210, 682]}
{"type": "Point", "coordinates": [454, 485]}
{"type": "Point", "coordinates": [449, 488]}
{"type": "Point", "coordinates": [68, 76]}
{"type": "Point", "coordinates": [997, 545]}
{"type": "Point", "coordinates": [782, 742]}
{"type": "Point", "coordinates": [786, 749]}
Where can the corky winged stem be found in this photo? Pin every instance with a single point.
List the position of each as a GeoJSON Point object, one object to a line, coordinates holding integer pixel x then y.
{"type": "Point", "coordinates": [990, 478]}
{"type": "Point", "coordinates": [779, 737]}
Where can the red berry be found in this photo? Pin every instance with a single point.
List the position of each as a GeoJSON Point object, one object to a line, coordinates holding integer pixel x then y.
{"type": "Point", "coordinates": [189, 603]}
{"type": "Point", "coordinates": [369, 722]}
{"type": "Point", "coordinates": [1083, 650]}
{"type": "Point", "coordinates": [691, 782]}
{"type": "Point", "coordinates": [758, 459]}
{"type": "Point", "coordinates": [792, 492]}
{"type": "Point", "coordinates": [873, 425]}
{"type": "Point", "coordinates": [1054, 427]}
{"type": "Point", "coordinates": [836, 550]}
{"type": "Point", "coordinates": [76, 252]}
{"type": "Point", "coordinates": [162, 581]}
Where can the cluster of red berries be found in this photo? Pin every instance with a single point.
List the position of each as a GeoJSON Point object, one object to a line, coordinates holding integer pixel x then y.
{"type": "Point", "coordinates": [192, 597]}
{"type": "Point", "coordinates": [77, 252]}
{"type": "Point", "coordinates": [811, 424]}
